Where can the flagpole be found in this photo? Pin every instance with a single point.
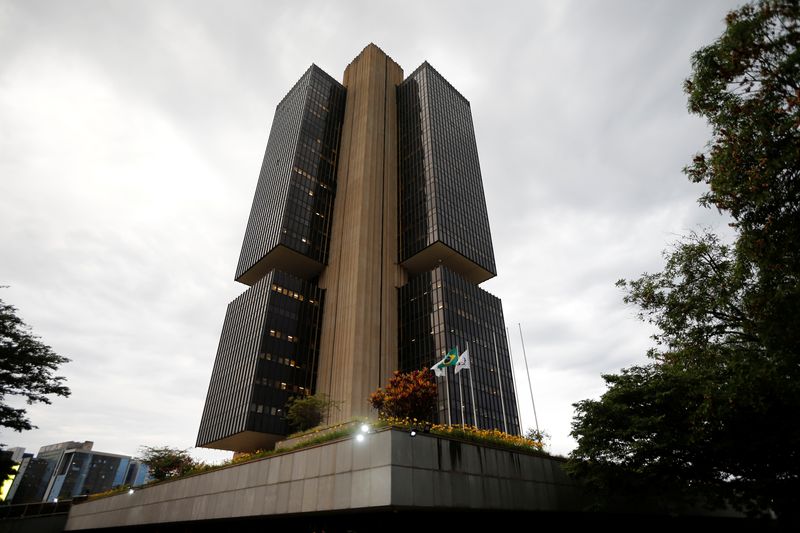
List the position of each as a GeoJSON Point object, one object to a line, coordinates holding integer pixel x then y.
{"type": "Point", "coordinates": [460, 391]}
{"type": "Point", "coordinates": [514, 377]}
{"type": "Point", "coordinates": [472, 389]}
{"type": "Point", "coordinates": [447, 395]}
{"type": "Point", "coordinates": [527, 368]}
{"type": "Point", "coordinates": [500, 384]}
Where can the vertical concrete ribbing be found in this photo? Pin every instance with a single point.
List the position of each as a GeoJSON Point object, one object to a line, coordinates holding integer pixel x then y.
{"type": "Point", "coordinates": [359, 331]}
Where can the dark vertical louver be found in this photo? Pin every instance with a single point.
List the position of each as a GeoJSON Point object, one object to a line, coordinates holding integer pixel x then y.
{"type": "Point", "coordinates": [270, 339]}
{"type": "Point", "coordinates": [267, 353]}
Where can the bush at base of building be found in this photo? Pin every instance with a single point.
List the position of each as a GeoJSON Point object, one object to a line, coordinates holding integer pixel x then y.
{"type": "Point", "coordinates": [409, 395]}
{"type": "Point", "coordinates": [306, 412]}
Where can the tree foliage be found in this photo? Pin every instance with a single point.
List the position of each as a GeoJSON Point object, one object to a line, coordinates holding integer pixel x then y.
{"type": "Point", "coordinates": [538, 435]}
{"type": "Point", "coordinates": [408, 395]}
{"type": "Point", "coordinates": [306, 412]}
{"type": "Point", "coordinates": [712, 416]}
{"type": "Point", "coordinates": [27, 369]}
{"type": "Point", "coordinates": [165, 462]}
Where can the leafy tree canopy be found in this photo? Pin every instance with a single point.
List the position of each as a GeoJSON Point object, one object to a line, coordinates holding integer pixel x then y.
{"type": "Point", "coordinates": [408, 395]}
{"type": "Point", "coordinates": [27, 369]}
{"type": "Point", "coordinates": [712, 416]}
{"type": "Point", "coordinates": [306, 412]}
{"type": "Point", "coordinates": [165, 462]}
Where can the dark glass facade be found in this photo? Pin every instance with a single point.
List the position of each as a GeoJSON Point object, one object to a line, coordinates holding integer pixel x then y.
{"type": "Point", "coordinates": [441, 190]}
{"type": "Point", "coordinates": [289, 224]}
{"type": "Point", "coordinates": [68, 469]}
{"type": "Point", "coordinates": [88, 473]}
{"type": "Point", "coordinates": [440, 310]}
{"type": "Point", "coordinates": [32, 485]}
{"type": "Point", "coordinates": [267, 353]}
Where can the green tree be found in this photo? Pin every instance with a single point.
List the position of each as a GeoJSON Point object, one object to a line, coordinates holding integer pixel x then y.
{"type": "Point", "coordinates": [165, 462]}
{"type": "Point", "coordinates": [306, 412]}
{"type": "Point", "coordinates": [408, 395]}
{"type": "Point", "coordinates": [27, 371]}
{"type": "Point", "coordinates": [712, 416]}
{"type": "Point", "coordinates": [538, 435]}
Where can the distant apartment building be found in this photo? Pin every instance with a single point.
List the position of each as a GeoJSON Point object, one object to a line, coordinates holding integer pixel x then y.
{"type": "Point", "coordinates": [68, 469]}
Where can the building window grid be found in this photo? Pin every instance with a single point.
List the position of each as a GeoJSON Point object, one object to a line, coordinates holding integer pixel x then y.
{"type": "Point", "coordinates": [301, 139]}
{"type": "Point", "coordinates": [447, 160]}
{"type": "Point", "coordinates": [467, 313]}
{"type": "Point", "coordinates": [238, 379]}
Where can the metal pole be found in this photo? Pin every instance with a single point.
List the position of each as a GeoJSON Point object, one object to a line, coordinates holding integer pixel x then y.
{"type": "Point", "coordinates": [472, 389]}
{"type": "Point", "coordinates": [514, 377]}
{"type": "Point", "coordinates": [500, 384]}
{"type": "Point", "coordinates": [460, 388]}
{"type": "Point", "coordinates": [447, 395]}
{"type": "Point", "coordinates": [461, 395]}
{"type": "Point", "coordinates": [525, 355]}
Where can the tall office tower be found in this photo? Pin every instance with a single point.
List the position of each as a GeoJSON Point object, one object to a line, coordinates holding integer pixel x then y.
{"type": "Point", "coordinates": [367, 239]}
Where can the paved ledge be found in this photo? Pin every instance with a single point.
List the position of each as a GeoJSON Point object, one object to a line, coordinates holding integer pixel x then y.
{"type": "Point", "coordinates": [388, 470]}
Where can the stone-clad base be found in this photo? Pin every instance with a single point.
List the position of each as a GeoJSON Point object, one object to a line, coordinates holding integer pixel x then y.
{"type": "Point", "coordinates": [389, 471]}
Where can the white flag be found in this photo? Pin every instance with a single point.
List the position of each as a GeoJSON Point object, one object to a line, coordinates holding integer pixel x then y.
{"type": "Point", "coordinates": [439, 368]}
{"type": "Point", "coordinates": [463, 361]}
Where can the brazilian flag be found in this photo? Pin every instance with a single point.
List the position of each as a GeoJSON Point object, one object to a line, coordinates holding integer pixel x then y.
{"type": "Point", "coordinates": [451, 359]}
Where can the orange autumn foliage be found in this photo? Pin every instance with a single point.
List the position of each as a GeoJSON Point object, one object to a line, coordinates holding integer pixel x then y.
{"type": "Point", "coordinates": [408, 395]}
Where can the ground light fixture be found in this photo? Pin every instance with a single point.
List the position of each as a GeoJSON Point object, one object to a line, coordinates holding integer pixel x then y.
{"type": "Point", "coordinates": [364, 429]}
{"type": "Point", "coordinates": [131, 491]}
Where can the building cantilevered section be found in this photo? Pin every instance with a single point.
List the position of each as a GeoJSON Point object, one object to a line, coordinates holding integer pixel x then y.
{"type": "Point", "coordinates": [366, 242]}
{"type": "Point", "coordinates": [270, 339]}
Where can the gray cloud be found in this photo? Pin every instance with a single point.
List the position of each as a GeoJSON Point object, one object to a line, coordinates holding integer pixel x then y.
{"type": "Point", "coordinates": [133, 133]}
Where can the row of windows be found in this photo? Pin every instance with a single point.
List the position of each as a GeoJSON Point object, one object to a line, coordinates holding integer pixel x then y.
{"type": "Point", "coordinates": [280, 360]}
{"type": "Point", "coordinates": [270, 410]}
{"type": "Point", "coordinates": [281, 335]}
{"type": "Point", "coordinates": [310, 177]}
{"type": "Point", "coordinates": [287, 292]}
{"type": "Point", "coordinates": [281, 385]}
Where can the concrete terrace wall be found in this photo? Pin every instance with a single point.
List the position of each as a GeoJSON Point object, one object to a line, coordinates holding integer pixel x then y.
{"type": "Point", "coordinates": [389, 469]}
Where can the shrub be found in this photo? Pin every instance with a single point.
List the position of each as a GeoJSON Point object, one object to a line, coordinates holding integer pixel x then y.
{"type": "Point", "coordinates": [307, 412]}
{"type": "Point", "coordinates": [408, 395]}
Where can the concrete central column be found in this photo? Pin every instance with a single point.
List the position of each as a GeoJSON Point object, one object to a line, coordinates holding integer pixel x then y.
{"type": "Point", "coordinates": [358, 345]}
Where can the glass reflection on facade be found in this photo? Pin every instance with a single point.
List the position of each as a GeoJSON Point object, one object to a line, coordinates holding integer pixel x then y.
{"type": "Point", "coordinates": [439, 310]}
{"type": "Point", "coordinates": [65, 470]}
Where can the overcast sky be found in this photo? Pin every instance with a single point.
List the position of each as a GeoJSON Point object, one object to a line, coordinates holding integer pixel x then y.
{"type": "Point", "coordinates": [131, 136]}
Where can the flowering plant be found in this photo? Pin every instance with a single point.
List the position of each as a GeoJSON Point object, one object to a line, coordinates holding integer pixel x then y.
{"type": "Point", "coordinates": [409, 395]}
